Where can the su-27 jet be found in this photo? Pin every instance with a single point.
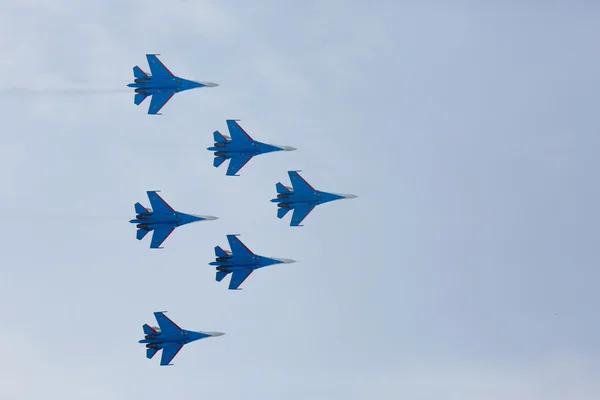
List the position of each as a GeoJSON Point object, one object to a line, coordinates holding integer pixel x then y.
{"type": "Point", "coordinates": [169, 338]}
{"type": "Point", "coordinates": [162, 219]}
{"type": "Point", "coordinates": [240, 262]}
{"type": "Point", "coordinates": [239, 147]}
{"type": "Point", "coordinates": [302, 198]}
{"type": "Point", "coordinates": [161, 84]}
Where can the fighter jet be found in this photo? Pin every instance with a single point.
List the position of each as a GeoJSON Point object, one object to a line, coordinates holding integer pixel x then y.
{"type": "Point", "coordinates": [241, 262]}
{"type": "Point", "coordinates": [301, 198]}
{"type": "Point", "coordinates": [161, 85]}
{"type": "Point", "coordinates": [162, 219]}
{"type": "Point", "coordinates": [169, 337]}
{"type": "Point", "coordinates": [240, 148]}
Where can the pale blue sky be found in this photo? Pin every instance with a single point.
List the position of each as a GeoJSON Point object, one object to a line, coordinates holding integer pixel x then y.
{"type": "Point", "coordinates": [466, 269]}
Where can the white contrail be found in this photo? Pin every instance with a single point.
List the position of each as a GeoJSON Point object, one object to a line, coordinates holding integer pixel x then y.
{"type": "Point", "coordinates": [20, 91]}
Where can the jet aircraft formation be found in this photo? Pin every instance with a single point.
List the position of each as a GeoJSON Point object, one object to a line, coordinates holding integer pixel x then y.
{"type": "Point", "coordinates": [239, 148]}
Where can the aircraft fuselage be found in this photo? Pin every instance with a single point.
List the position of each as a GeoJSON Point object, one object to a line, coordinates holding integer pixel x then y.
{"type": "Point", "coordinates": [151, 221]}
{"type": "Point", "coordinates": [289, 200]}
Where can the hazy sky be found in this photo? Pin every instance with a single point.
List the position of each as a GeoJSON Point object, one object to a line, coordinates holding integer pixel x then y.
{"type": "Point", "coordinates": [466, 269]}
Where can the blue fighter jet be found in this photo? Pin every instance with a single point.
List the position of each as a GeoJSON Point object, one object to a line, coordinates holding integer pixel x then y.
{"type": "Point", "coordinates": [240, 148]}
{"type": "Point", "coordinates": [169, 338]}
{"type": "Point", "coordinates": [301, 198]}
{"type": "Point", "coordinates": [240, 261]}
{"type": "Point", "coordinates": [162, 219]}
{"type": "Point", "coordinates": [161, 85]}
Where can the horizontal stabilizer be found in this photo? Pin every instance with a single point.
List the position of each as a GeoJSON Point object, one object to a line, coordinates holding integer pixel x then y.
{"type": "Point", "coordinates": [281, 188]}
{"type": "Point", "coordinates": [151, 352]}
{"type": "Point", "coordinates": [141, 233]}
{"type": "Point", "coordinates": [221, 275]}
{"type": "Point", "coordinates": [140, 209]}
{"type": "Point", "coordinates": [281, 212]}
{"type": "Point", "coordinates": [219, 252]}
{"type": "Point", "coordinates": [218, 161]}
{"type": "Point", "coordinates": [138, 73]}
{"type": "Point", "coordinates": [219, 138]}
{"type": "Point", "coordinates": [139, 97]}
{"type": "Point", "coordinates": [148, 330]}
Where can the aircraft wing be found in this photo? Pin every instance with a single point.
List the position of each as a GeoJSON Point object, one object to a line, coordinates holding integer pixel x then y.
{"type": "Point", "coordinates": [157, 68]}
{"type": "Point", "coordinates": [237, 247]}
{"type": "Point", "coordinates": [237, 133]}
{"type": "Point", "coordinates": [159, 235]}
{"type": "Point", "coordinates": [165, 324]}
{"type": "Point", "coordinates": [299, 184]}
{"type": "Point", "coordinates": [158, 205]}
{"type": "Point", "coordinates": [168, 354]}
{"type": "Point", "coordinates": [300, 212]}
{"type": "Point", "coordinates": [159, 99]}
{"type": "Point", "coordinates": [236, 163]}
{"type": "Point", "coordinates": [238, 277]}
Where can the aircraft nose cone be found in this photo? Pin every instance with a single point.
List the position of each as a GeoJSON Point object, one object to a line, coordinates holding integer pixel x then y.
{"type": "Point", "coordinates": [215, 333]}
{"type": "Point", "coordinates": [208, 217]}
{"type": "Point", "coordinates": [286, 260]}
{"type": "Point", "coordinates": [349, 196]}
{"type": "Point", "coordinates": [210, 84]}
{"type": "Point", "coordinates": [284, 148]}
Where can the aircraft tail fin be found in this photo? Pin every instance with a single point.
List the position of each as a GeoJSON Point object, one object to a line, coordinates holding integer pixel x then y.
{"type": "Point", "coordinates": [151, 352]}
{"type": "Point", "coordinates": [218, 161]}
{"type": "Point", "coordinates": [141, 233]}
{"type": "Point", "coordinates": [221, 275]}
{"type": "Point", "coordinates": [148, 330]}
{"type": "Point", "coordinates": [219, 252]}
{"type": "Point", "coordinates": [140, 209]}
{"type": "Point", "coordinates": [281, 188]}
{"type": "Point", "coordinates": [139, 97]}
{"type": "Point", "coordinates": [281, 212]}
{"type": "Point", "coordinates": [219, 138]}
{"type": "Point", "coordinates": [138, 73]}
